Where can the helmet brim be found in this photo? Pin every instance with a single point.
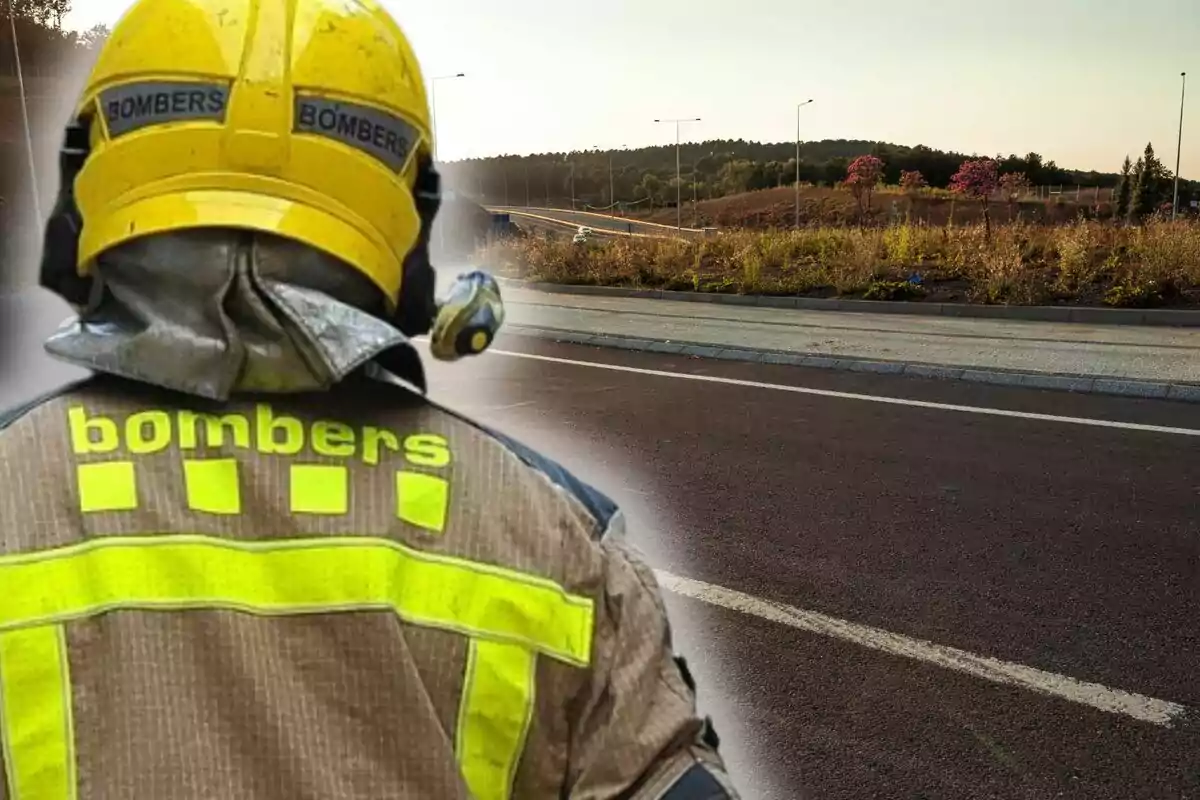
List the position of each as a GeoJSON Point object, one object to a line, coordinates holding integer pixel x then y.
{"type": "Point", "coordinates": [166, 213]}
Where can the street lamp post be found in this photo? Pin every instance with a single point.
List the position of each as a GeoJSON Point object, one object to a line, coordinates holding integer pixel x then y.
{"type": "Point", "coordinates": [612, 198]}
{"type": "Point", "coordinates": [33, 176]}
{"type": "Point", "coordinates": [434, 147]}
{"type": "Point", "coordinates": [695, 213]}
{"type": "Point", "coordinates": [1179, 146]}
{"type": "Point", "coordinates": [571, 162]}
{"type": "Point", "coordinates": [433, 104]}
{"type": "Point", "coordinates": [678, 180]}
{"type": "Point", "coordinates": [798, 107]}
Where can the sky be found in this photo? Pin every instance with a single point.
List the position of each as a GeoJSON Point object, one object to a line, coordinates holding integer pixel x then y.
{"type": "Point", "coordinates": [1083, 82]}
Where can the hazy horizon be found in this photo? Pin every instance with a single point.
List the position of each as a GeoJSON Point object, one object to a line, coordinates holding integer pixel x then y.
{"type": "Point", "coordinates": [1080, 84]}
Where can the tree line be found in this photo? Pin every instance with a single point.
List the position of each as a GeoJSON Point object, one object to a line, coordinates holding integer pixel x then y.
{"type": "Point", "coordinates": [716, 168]}
{"type": "Point", "coordinates": [1144, 190]}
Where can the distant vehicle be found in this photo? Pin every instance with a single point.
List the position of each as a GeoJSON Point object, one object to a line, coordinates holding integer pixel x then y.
{"type": "Point", "coordinates": [583, 235]}
{"type": "Point", "coordinates": [584, 231]}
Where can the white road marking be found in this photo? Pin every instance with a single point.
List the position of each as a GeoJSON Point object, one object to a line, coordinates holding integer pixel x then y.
{"type": "Point", "coordinates": [870, 398]}
{"type": "Point", "coordinates": [1114, 701]}
{"type": "Point", "coordinates": [511, 406]}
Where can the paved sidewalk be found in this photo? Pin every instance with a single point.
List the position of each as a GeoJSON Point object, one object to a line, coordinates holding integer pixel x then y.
{"type": "Point", "coordinates": [1164, 355]}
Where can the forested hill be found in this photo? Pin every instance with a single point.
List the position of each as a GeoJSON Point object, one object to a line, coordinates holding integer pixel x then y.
{"type": "Point", "coordinates": [721, 167]}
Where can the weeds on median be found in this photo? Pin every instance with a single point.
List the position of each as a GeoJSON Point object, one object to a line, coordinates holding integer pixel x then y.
{"type": "Point", "coordinates": [1085, 263]}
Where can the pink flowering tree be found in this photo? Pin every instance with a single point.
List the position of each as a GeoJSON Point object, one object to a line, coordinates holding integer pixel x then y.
{"type": "Point", "coordinates": [862, 176]}
{"type": "Point", "coordinates": [1014, 185]}
{"type": "Point", "coordinates": [978, 179]}
{"type": "Point", "coordinates": [912, 181]}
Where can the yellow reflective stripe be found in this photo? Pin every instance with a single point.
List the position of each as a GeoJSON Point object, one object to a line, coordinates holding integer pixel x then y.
{"type": "Point", "coordinates": [294, 577]}
{"type": "Point", "coordinates": [494, 716]}
{"type": "Point", "coordinates": [35, 714]}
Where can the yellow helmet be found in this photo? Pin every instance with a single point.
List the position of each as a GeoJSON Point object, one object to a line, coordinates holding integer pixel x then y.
{"type": "Point", "coordinates": [302, 118]}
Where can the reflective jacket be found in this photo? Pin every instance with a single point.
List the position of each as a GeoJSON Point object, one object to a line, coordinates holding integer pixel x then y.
{"type": "Point", "coordinates": [356, 594]}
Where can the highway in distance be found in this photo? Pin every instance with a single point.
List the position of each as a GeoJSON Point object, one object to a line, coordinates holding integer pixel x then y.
{"type": "Point", "coordinates": [599, 222]}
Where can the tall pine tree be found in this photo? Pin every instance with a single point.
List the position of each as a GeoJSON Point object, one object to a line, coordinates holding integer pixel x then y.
{"type": "Point", "coordinates": [1124, 190]}
{"type": "Point", "coordinates": [1135, 180]}
{"type": "Point", "coordinates": [1150, 185]}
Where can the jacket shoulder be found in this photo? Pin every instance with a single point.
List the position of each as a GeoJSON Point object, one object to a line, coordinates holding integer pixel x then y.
{"type": "Point", "coordinates": [599, 507]}
{"type": "Point", "coordinates": [14, 414]}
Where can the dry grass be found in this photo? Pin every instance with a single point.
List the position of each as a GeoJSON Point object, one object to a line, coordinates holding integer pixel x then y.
{"type": "Point", "coordinates": [835, 206]}
{"type": "Point", "coordinates": [1087, 263]}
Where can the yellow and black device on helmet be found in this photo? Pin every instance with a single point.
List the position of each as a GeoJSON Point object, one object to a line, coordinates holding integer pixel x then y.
{"type": "Point", "coordinates": [306, 119]}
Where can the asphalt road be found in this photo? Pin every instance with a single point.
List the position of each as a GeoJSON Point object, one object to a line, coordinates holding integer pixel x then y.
{"type": "Point", "coordinates": [1053, 544]}
{"type": "Point", "coordinates": [1065, 547]}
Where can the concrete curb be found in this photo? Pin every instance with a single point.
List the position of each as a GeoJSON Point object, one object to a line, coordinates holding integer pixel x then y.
{"type": "Point", "coordinates": [1084, 384]}
{"type": "Point", "coordinates": [1089, 316]}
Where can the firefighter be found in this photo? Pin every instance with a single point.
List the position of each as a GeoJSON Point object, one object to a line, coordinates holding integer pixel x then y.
{"type": "Point", "coordinates": [247, 557]}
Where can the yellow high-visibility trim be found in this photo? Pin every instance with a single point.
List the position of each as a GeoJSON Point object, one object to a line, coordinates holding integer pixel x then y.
{"type": "Point", "coordinates": [107, 486]}
{"type": "Point", "coordinates": [295, 576]}
{"type": "Point", "coordinates": [35, 714]}
{"type": "Point", "coordinates": [494, 716]}
{"type": "Point", "coordinates": [510, 618]}
{"type": "Point", "coordinates": [319, 489]}
{"type": "Point", "coordinates": [422, 500]}
{"type": "Point", "coordinates": [212, 485]}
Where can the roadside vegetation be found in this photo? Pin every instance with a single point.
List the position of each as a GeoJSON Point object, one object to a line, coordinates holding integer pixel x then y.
{"type": "Point", "coordinates": [1156, 263]}
{"type": "Point", "coordinates": [1132, 255]}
